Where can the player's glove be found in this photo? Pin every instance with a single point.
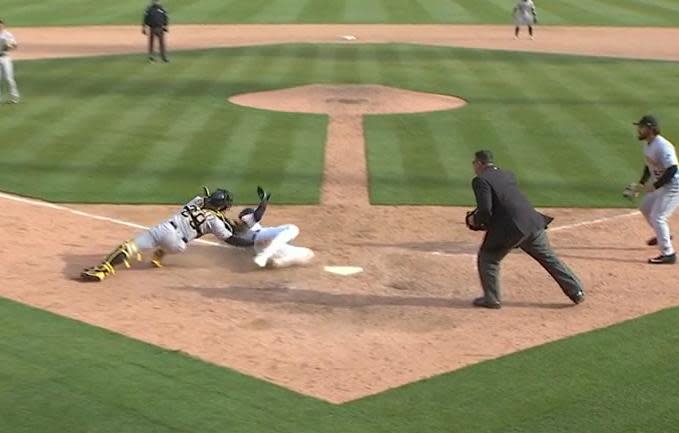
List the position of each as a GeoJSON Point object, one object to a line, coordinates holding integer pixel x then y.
{"type": "Point", "coordinates": [263, 195]}
{"type": "Point", "coordinates": [470, 221]}
{"type": "Point", "coordinates": [631, 191]}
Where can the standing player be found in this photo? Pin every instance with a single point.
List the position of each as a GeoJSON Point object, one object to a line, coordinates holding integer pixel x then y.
{"type": "Point", "coordinates": [200, 216]}
{"type": "Point", "coordinates": [660, 181]}
{"type": "Point", "coordinates": [524, 15]}
{"type": "Point", "coordinates": [155, 18]}
{"type": "Point", "coordinates": [7, 44]}
{"type": "Point", "coordinates": [271, 244]}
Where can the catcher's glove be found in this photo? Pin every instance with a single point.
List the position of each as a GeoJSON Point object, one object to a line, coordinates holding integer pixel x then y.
{"type": "Point", "coordinates": [470, 221]}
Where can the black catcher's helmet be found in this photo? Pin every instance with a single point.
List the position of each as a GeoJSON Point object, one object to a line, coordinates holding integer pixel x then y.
{"type": "Point", "coordinates": [220, 200]}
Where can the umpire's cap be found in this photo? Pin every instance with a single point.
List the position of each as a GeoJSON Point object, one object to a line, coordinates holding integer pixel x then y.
{"type": "Point", "coordinates": [484, 156]}
{"type": "Point", "coordinates": [648, 120]}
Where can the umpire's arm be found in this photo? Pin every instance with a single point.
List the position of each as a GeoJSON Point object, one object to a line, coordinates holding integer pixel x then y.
{"type": "Point", "coordinates": [484, 201]}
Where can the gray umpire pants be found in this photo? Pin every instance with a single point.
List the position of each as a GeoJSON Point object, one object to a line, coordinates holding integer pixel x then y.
{"type": "Point", "coordinates": [537, 246]}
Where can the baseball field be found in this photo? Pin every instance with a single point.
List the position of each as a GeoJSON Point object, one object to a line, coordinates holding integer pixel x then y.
{"type": "Point", "coordinates": [362, 119]}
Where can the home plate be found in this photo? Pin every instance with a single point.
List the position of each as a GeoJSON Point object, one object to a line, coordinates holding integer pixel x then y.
{"type": "Point", "coordinates": [343, 270]}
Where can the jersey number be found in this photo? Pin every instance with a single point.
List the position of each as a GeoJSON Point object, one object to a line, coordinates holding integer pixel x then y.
{"type": "Point", "coordinates": [195, 216]}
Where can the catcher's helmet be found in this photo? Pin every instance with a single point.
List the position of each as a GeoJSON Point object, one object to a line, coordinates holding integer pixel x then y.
{"type": "Point", "coordinates": [219, 200]}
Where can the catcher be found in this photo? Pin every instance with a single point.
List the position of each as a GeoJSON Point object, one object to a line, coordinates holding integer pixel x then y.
{"type": "Point", "coordinates": [510, 221]}
{"type": "Point", "coordinates": [271, 244]}
{"type": "Point", "coordinates": [200, 216]}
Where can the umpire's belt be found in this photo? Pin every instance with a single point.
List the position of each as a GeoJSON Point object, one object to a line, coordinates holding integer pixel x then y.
{"type": "Point", "coordinates": [174, 224]}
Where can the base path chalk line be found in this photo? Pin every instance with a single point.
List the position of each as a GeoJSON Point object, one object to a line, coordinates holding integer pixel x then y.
{"type": "Point", "coordinates": [555, 229]}
{"type": "Point", "coordinates": [40, 203]}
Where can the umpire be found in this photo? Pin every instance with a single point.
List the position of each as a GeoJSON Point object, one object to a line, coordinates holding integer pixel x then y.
{"type": "Point", "coordinates": [155, 18]}
{"type": "Point", "coordinates": [510, 221]}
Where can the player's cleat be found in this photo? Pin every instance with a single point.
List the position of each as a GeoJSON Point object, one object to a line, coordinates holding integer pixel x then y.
{"type": "Point", "coordinates": [152, 59]}
{"type": "Point", "coordinates": [261, 260]}
{"type": "Point", "coordinates": [157, 259]}
{"type": "Point", "coordinates": [654, 241]}
{"type": "Point", "coordinates": [483, 303]}
{"type": "Point", "coordinates": [97, 273]}
{"type": "Point", "coordinates": [662, 259]}
{"type": "Point", "coordinates": [13, 101]}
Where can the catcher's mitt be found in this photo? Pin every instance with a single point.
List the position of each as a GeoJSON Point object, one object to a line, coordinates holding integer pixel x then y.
{"type": "Point", "coordinates": [470, 221]}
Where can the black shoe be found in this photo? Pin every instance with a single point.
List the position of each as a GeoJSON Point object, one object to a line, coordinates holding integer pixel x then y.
{"type": "Point", "coordinates": [578, 298]}
{"type": "Point", "coordinates": [152, 59]}
{"type": "Point", "coordinates": [166, 60]}
{"type": "Point", "coordinates": [669, 259]}
{"type": "Point", "coordinates": [654, 241]}
{"type": "Point", "coordinates": [482, 302]}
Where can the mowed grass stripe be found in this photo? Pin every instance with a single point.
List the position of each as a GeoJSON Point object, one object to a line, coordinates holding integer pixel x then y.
{"type": "Point", "coordinates": [100, 381]}
{"type": "Point", "coordinates": [540, 389]}
{"type": "Point", "coordinates": [273, 139]}
{"type": "Point", "coordinates": [140, 118]}
{"type": "Point", "coordinates": [179, 118]}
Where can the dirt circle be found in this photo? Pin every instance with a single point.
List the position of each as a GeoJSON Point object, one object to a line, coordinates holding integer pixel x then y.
{"type": "Point", "coordinates": [406, 317]}
{"type": "Point", "coordinates": [348, 100]}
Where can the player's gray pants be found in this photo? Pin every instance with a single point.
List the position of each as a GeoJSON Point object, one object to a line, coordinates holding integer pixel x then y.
{"type": "Point", "coordinates": [537, 246]}
{"type": "Point", "coordinates": [163, 236]}
{"type": "Point", "coordinates": [7, 74]}
{"type": "Point", "coordinates": [657, 207]}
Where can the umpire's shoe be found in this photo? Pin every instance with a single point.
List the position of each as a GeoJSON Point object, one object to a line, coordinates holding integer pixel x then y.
{"type": "Point", "coordinates": [662, 259]}
{"type": "Point", "coordinates": [484, 303]}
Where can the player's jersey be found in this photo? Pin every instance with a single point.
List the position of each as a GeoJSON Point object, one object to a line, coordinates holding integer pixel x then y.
{"type": "Point", "coordinates": [526, 8]}
{"type": "Point", "coordinates": [194, 221]}
{"type": "Point", "coordinates": [6, 38]}
{"type": "Point", "coordinates": [660, 154]}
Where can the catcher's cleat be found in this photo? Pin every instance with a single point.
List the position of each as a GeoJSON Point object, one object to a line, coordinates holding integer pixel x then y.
{"type": "Point", "coordinates": [97, 273]}
{"type": "Point", "coordinates": [157, 259]}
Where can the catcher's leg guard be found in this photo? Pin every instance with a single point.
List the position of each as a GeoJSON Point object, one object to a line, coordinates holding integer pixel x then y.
{"type": "Point", "coordinates": [123, 253]}
{"type": "Point", "coordinates": [157, 259]}
{"type": "Point", "coordinates": [120, 255]}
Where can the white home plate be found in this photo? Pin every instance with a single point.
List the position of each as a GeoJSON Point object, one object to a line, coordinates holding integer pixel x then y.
{"type": "Point", "coordinates": [343, 270]}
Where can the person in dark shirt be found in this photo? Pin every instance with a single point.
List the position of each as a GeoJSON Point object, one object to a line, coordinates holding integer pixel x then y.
{"type": "Point", "coordinates": [510, 221]}
{"type": "Point", "coordinates": [156, 20]}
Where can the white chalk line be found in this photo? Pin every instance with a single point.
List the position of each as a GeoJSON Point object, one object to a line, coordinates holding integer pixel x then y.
{"type": "Point", "coordinates": [555, 229]}
{"type": "Point", "coordinates": [40, 203]}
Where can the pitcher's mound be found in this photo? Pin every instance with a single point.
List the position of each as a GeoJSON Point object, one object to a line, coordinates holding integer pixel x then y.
{"type": "Point", "coordinates": [348, 99]}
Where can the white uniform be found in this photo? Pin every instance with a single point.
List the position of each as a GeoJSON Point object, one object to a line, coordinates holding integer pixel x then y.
{"type": "Point", "coordinates": [273, 243]}
{"type": "Point", "coordinates": [658, 205]}
{"type": "Point", "coordinates": [192, 222]}
{"type": "Point", "coordinates": [524, 13]}
{"type": "Point", "coordinates": [6, 66]}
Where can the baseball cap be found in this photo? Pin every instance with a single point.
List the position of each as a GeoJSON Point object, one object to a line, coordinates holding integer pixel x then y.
{"type": "Point", "coordinates": [648, 120]}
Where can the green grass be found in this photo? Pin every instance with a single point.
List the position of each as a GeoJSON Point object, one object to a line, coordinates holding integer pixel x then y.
{"type": "Point", "coordinates": [593, 12]}
{"type": "Point", "coordinates": [115, 129]}
{"type": "Point", "coordinates": [59, 375]}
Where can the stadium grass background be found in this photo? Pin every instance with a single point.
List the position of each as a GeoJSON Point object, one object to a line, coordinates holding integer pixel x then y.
{"type": "Point", "coordinates": [116, 129]}
{"type": "Point", "coordinates": [86, 115]}
{"type": "Point", "coordinates": [562, 12]}
{"type": "Point", "coordinates": [59, 375]}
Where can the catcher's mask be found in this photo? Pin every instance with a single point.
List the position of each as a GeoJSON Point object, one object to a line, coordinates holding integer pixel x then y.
{"type": "Point", "coordinates": [219, 200]}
